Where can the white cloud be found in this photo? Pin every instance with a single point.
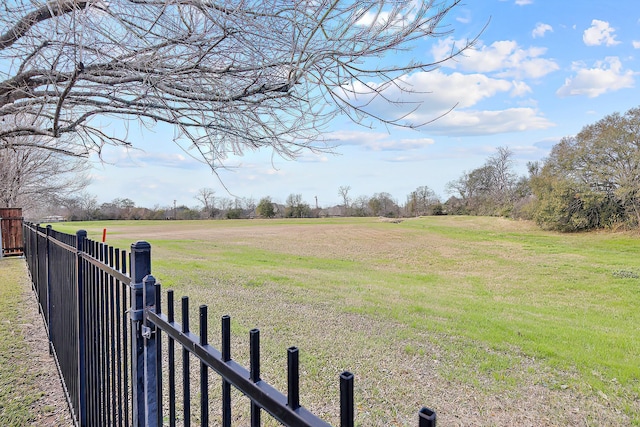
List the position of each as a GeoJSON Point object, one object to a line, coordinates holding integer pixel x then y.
{"type": "Point", "coordinates": [524, 2]}
{"type": "Point", "coordinates": [465, 90]}
{"type": "Point", "coordinates": [432, 93]}
{"type": "Point", "coordinates": [274, 171]}
{"type": "Point", "coordinates": [370, 17]}
{"type": "Point", "coordinates": [379, 141]}
{"type": "Point", "coordinates": [427, 98]}
{"type": "Point", "coordinates": [530, 102]}
{"type": "Point", "coordinates": [464, 17]}
{"type": "Point", "coordinates": [136, 158]}
{"type": "Point", "coordinates": [520, 89]}
{"type": "Point", "coordinates": [636, 44]}
{"type": "Point", "coordinates": [402, 159]}
{"type": "Point", "coordinates": [311, 157]}
{"type": "Point", "coordinates": [599, 33]}
{"type": "Point", "coordinates": [605, 76]}
{"type": "Point", "coordinates": [386, 17]}
{"type": "Point", "coordinates": [406, 144]}
{"type": "Point", "coordinates": [541, 29]}
{"type": "Point", "coordinates": [503, 57]}
{"type": "Point", "coordinates": [468, 123]}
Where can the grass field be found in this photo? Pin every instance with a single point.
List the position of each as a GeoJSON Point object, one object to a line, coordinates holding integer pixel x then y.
{"type": "Point", "coordinates": [486, 320]}
{"type": "Point", "coordinates": [16, 391]}
{"type": "Point", "coordinates": [30, 392]}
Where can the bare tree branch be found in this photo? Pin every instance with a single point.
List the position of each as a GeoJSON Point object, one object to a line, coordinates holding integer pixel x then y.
{"type": "Point", "coordinates": [47, 11]}
{"type": "Point", "coordinates": [231, 76]}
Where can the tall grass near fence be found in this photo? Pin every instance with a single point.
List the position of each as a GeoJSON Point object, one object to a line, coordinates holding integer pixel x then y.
{"type": "Point", "coordinates": [469, 315]}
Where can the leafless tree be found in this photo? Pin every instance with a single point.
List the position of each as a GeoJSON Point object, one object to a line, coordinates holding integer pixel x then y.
{"type": "Point", "coordinates": [492, 188]}
{"type": "Point", "coordinates": [249, 203]}
{"type": "Point", "coordinates": [421, 201]}
{"type": "Point", "coordinates": [343, 191]}
{"type": "Point", "coordinates": [230, 75]}
{"type": "Point", "coordinates": [225, 203]}
{"type": "Point", "coordinates": [504, 177]}
{"type": "Point", "coordinates": [31, 177]}
{"type": "Point", "coordinates": [81, 206]}
{"type": "Point", "coordinates": [361, 206]}
{"type": "Point", "coordinates": [206, 196]}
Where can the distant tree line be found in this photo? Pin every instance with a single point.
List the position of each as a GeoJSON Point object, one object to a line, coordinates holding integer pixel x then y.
{"type": "Point", "coordinates": [85, 207]}
{"type": "Point", "coordinates": [589, 181]}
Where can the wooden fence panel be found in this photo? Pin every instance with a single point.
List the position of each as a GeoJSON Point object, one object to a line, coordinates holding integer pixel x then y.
{"type": "Point", "coordinates": [11, 227]}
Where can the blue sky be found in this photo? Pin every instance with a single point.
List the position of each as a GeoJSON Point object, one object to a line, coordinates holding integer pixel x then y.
{"type": "Point", "coordinates": [541, 70]}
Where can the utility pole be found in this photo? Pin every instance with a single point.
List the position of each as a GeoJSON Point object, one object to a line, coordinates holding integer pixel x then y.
{"type": "Point", "coordinates": [316, 202]}
{"type": "Point", "coordinates": [175, 210]}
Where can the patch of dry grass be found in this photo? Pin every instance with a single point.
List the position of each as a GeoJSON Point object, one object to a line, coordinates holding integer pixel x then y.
{"type": "Point", "coordinates": [486, 320]}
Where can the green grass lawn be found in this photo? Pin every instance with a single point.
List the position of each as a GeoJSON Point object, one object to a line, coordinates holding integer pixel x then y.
{"type": "Point", "coordinates": [491, 308]}
{"type": "Point", "coordinates": [17, 390]}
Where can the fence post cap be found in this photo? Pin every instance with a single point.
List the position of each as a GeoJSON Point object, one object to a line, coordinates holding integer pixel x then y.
{"type": "Point", "coordinates": [346, 375]}
{"type": "Point", "coordinates": [140, 245]}
{"type": "Point", "coordinates": [428, 414]}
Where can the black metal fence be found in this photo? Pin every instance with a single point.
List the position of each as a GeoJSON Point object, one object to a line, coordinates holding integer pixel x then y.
{"type": "Point", "coordinates": [83, 294]}
{"type": "Point", "coordinates": [103, 314]}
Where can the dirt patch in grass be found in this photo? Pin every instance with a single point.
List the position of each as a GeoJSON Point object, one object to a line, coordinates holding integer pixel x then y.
{"type": "Point", "coordinates": [344, 241]}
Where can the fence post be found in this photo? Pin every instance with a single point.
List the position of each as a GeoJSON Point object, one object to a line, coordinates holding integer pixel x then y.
{"type": "Point", "coordinates": [150, 363]}
{"type": "Point", "coordinates": [140, 267]}
{"type": "Point", "coordinates": [36, 263]}
{"type": "Point", "coordinates": [48, 284]}
{"type": "Point", "coordinates": [427, 417]}
{"type": "Point", "coordinates": [346, 400]}
{"type": "Point", "coordinates": [1, 243]}
{"type": "Point", "coordinates": [81, 235]}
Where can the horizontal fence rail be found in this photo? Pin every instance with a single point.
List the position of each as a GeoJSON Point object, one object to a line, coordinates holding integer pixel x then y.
{"type": "Point", "coordinates": [286, 409]}
{"type": "Point", "coordinates": [103, 314]}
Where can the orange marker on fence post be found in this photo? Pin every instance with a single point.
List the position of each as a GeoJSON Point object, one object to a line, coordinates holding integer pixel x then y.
{"type": "Point", "coordinates": [104, 235]}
